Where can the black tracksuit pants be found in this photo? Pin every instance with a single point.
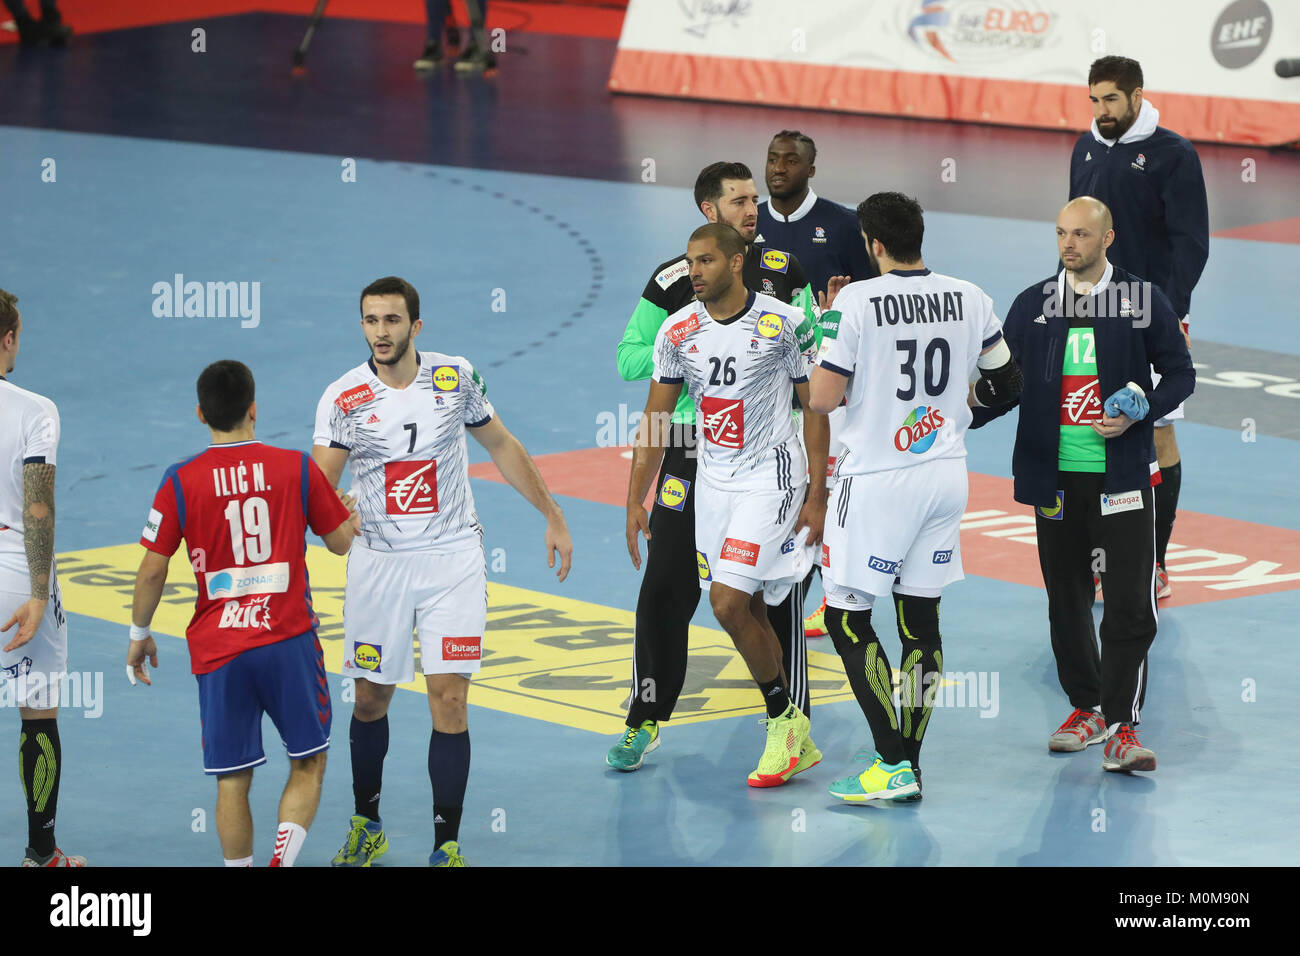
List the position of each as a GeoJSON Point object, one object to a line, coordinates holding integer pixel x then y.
{"type": "Point", "coordinates": [1121, 546]}
{"type": "Point", "coordinates": [670, 592]}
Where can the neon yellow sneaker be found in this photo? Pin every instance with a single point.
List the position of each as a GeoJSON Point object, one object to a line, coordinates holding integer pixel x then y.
{"type": "Point", "coordinates": [628, 753]}
{"type": "Point", "coordinates": [880, 781]}
{"type": "Point", "coordinates": [809, 757]}
{"type": "Point", "coordinates": [365, 843]}
{"type": "Point", "coordinates": [448, 855]}
{"type": "Point", "coordinates": [814, 625]}
{"type": "Point", "coordinates": [785, 739]}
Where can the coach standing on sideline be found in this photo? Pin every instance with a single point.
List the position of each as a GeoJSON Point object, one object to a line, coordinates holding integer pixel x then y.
{"type": "Point", "coordinates": [1084, 464]}
{"type": "Point", "coordinates": [1151, 179]}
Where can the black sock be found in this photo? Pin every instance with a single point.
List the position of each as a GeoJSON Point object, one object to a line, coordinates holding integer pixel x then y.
{"type": "Point", "coordinates": [39, 761]}
{"type": "Point", "coordinates": [776, 696]}
{"type": "Point", "coordinates": [867, 668]}
{"type": "Point", "coordinates": [448, 773]}
{"type": "Point", "coordinates": [1171, 480]}
{"type": "Point", "coordinates": [369, 746]}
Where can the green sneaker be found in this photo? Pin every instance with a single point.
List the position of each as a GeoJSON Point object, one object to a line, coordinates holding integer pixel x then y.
{"type": "Point", "coordinates": [880, 781]}
{"type": "Point", "coordinates": [447, 855]}
{"type": "Point", "coordinates": [628, 753]}
{"type": "Point", "coordinates": [365, 843]}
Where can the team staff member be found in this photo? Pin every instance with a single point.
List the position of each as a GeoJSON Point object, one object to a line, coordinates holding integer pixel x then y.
{"type": "Point", "coordinates": [35, 657]}
{"type": "Point", "coordinates": [724, 192]}
{"type": "Point", "coordinates": [246, 507]}
{"type": "Point", "coordinates": [826, 238]}
{"type": "Point", "coordinates": [1083, 462]}
{"type": "Point", "coordinates": [399, 421]}
{"type": "Point", "coordinates": [1151, 180]}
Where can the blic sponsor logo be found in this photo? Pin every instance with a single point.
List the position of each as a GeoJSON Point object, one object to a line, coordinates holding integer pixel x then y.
{"type": "Point", "coordinates": [254, 614]}
{"type": "Point", "coordinates": [919, 430]}
{"type": "Point", "coordinates": [462, 648]}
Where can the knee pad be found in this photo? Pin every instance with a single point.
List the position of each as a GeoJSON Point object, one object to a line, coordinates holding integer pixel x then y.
{"type": "Point", "coordinates": [850, 631]}
{"type": "Point", "coordinates": [918, 621]}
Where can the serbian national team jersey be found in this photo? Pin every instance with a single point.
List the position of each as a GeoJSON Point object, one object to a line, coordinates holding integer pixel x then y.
{"type": "Point", "coordinates": [244, 510]}
{"type": "Point", "coordinates": [739, 373]}
{"type": "Point", "coordinates": [910, 339]}
{"type": "Point", "coordinates": [406, 449]}
{"type": "Point", "coordinates": [29, 434]}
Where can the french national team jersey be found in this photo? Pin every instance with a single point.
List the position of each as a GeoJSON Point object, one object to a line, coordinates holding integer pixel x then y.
{"type": "Point", "coordinates": [910, 340]}
{"type": "Point", "coordinates": [244, 509]}
{"type": "Point", "coordinates": [406, 449]}
{"type": "Point", "coordinates": [739, 372]}
{"type": "Point", "coordinates": [29, 433]}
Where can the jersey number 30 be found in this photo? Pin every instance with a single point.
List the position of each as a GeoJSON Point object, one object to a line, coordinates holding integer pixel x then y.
{"type": "Point", "coordinates": [250, 536]}
{"type": "Point", "coordinates": [936, 353]}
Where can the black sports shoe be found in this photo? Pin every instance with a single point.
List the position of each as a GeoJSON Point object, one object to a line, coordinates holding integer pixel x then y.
{"type": "Point", "coordinates": [476, 60]}
{"type": "Point", "coordinates": [431, 56]}
{"type": "Point", "coordinates": [916, 772]}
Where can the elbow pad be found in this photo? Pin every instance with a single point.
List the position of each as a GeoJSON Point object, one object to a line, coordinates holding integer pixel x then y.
{"type": "Point", "coordinates": [999, 386]}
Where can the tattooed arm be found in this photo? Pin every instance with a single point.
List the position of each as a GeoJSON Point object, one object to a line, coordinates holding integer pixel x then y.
{"type": "Point", "coordinates": [38, 537]}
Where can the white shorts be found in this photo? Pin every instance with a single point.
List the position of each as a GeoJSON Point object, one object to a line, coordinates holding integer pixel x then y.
{"type": "Point", "coordinates": [33, 674]}
{"type": "Point", "coordinates": [904, 524]}
{"type": "Point", "coordinates": [837, 447]}
{"type": "Point", "coordinates": [390, 595]}
{"type": "Point", "coordinates": [746, 539]}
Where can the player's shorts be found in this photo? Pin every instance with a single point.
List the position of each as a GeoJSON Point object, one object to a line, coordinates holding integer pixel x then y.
{"type": "Point", "coordinates": [747, 541]}
{"type": "Point", "coordinates": [390, 595]}
{"type": "Point", "coordinates": [285, 680]}
{"type": "Point", "coordinates": [901, 524]}
{"type": "Point", "coordinates": [33, 674]}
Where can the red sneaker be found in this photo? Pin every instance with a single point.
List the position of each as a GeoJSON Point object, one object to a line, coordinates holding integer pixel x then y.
{"type": "Point", "coordinates": [57, 858]}
{"type": "Point", "coordinates": [1080, 730]}
{"type": "Point", "coordinates": [1163, 588]}
{"type": "Point", "coordinates": [1124, 752]}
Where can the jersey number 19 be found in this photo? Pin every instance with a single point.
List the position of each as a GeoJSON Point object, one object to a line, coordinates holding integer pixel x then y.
{"type": "Point", "coordinates": [252, 535]}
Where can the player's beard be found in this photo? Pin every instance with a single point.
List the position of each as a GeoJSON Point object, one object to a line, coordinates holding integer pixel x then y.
{"type": "Point", "coordinates": [719, 289]}
{"type": "Point", "coordinates": [1121, 125]}
{"type": "Point", "coordinates": [1084, 264]}
{"type": "Point", "coordinates": [399, 352]}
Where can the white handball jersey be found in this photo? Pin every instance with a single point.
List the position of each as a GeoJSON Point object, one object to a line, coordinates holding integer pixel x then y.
{"type": "Point", "coordinates": [406, 449]}
{"type": "Point", "coordinates": [739, 373]}
{"type": "Point", "coordinates": [911, 341]}
{"type": "Point", "coordinates": [29, 432]}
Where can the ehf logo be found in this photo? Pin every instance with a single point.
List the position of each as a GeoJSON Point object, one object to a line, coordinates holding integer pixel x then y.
{"type": "Point", "coordinates": [411, 487]}
{"type": "Point", "coordinates": [919, 430]}
{"type": "Point", "coordinates": [724, 421]}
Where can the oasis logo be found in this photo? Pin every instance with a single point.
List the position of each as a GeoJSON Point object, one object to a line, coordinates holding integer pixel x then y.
{"type": "Point", "coordinates": [919, 430]}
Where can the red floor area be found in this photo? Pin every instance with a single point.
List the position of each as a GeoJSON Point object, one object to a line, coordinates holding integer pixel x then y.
{"type": "Point", "coordinates": [1281, 230]}
{"type": "Point", "coordinates": [1211, 558]}
{"type": "Point", "coordinates": [573, 19]}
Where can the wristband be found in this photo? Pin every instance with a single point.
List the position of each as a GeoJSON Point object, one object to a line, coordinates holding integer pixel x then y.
{"type": "Point", "coordinates": [139, 633]}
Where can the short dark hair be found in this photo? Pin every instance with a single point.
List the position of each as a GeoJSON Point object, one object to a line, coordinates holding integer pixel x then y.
{"type": "Point", "coordinates": [8, 312]}
{"type": "Point", "coordinates": [896, 220]}
{"type": "Point", "coordinates": [708, 184]}
{"type": "Point", "coordinates": [225, 394]}
{"type": "Point", "coordinates": [801, 140]}
{"type": "Point", "coordinates": [729, 241]}
{"type": "Point", "coordinates": [1125, 73]}
{"type": "Point", "coordinates": [392, 285]}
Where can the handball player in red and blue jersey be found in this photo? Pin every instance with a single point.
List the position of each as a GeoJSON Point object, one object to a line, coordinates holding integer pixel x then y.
{"type": "Point", "coordinates": [243, 509]}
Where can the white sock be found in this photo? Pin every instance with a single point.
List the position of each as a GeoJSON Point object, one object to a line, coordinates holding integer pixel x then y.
{"type": "Point", "coordinates": [288, 841]}
{"type": "Point", "coordinates": [246, 861]}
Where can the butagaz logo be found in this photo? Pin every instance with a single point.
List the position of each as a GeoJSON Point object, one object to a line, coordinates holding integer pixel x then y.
{"type": "Point", "coordinates": [410, 487]}
{"type": "Point", "coordinates": [787, 545]}
{"type": "Point", "coordinates": [1124, 501]}
{"type": "Point", "coordinates": [880, 564]}
{"type": "Point", "coordinates": [678, 332]}
{"type": "Point", "coordinates": [368, 657]}
{"type": "Point", "coordinates": [1081, 400]}
{"type": "Point", "coordinates": [1241, 33]}
{"type": "Point", "coordinates": [462, 648]}
{"type": "Point", "coordinates": [131, 910]}
{"type": "Point", "coordinates": [213, 300]}
{"type": "Point", "coordinates": [919, 430]}
{"type": "Point", "coordinates": [826, 555]}
{"type": "Point", "coordinates": [672, 274]}
{"type": "Point", "coordinates": [253, 614]}
{"type": "Point", "coordinates": [259, 579]}
{"type": "Point", "coordinates": [943, 557]}
{"type": "Point", "coordinates": [354, 398]}
{"type": "Point", "coordinates": [724, 421]}
{"type": "Point", "coordinates": [745, 552]}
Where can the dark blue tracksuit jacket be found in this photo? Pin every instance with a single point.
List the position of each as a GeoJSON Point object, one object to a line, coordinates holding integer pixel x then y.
{"type": "Point", "coordinates": [1127, 346]}
{"type": "Point", "coordinates": [826, 239]}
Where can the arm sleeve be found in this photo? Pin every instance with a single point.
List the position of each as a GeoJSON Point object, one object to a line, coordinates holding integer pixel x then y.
{"type": "Point", "coordinates": [41, 436]}
{"type": "Point", "coordinates": [332, 426]}
{"type": "Point", "coordinates": [1187, 221]}
{"type": "Point", "coordinates": [636, 352]}
{"type": "Point", "coordinates": [477, 411]}
{"type": "Point", "coordinates": [667, 362]}
{"type": "Point", "coordinates": [162, 529]}
{"type": "Point", "coordinates": [991, 326]}
{"type": "Point", "coordinates": [1012, 334]}
{"type": "Point", "coordinates": [794, 358]}
{"type": "Point", "coordinates": [841, 333]}
{"type": "Point", "coordinates": [1167, 352]}
{"type": "Point", "coordinates": [324, 510]}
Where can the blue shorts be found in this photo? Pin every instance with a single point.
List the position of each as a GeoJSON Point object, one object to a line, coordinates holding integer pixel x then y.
{"type": "Point", "coordinates": [285, 680]}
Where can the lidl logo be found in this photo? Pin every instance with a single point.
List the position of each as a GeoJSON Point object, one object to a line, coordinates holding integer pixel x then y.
{"type": "Point", "coordinates": [769, 325]}
{"type": "Point", "coordinates": [774, 260]}
{"type": "Point", "coordinates": [703, 564]}
{"type": "Point", "coordinates": [1054, 512]}
{"type": "Point", "coordinates": [367, 657]}
{"type": "Point", "coordinates": [672, 494]}
{"type": "Point", "coordinates": [446, 378]}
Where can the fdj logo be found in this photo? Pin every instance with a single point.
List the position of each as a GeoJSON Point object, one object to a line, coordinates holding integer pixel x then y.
{"type": "Point", "coordinates": [919, 430]}
{"type": "Point", "coordinates": [880, 564]}
{"type": "Point", "coordinates": [446, 378]}
{"type": "Point", "coordinates": [769, 325]}
{"type": "Point", "coordinates": [673, 493]}
{"type": "Point", "coordinates": [367, 657]}
{"type": "Point", "coordinates": [943, 557]}
{"type": "Point", "coordinates": [788, 546]}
